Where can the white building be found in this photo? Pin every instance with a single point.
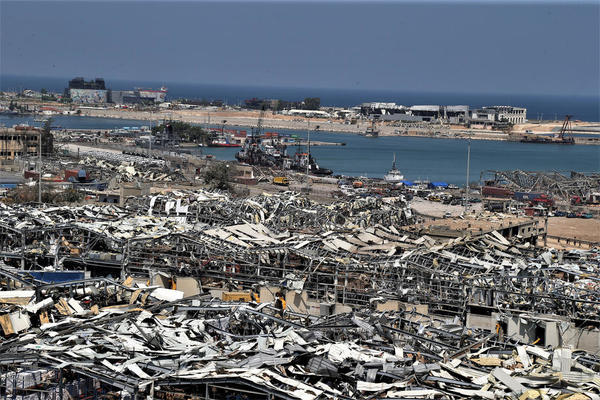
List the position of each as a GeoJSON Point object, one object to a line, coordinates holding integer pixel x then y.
{"type": "Point", "coordinates": [515, 115]}
{"type": "Point", "coordinates": [307, 113]}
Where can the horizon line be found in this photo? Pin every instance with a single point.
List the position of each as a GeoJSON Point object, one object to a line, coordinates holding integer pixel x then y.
{"type": "Point", "coordinates": [291, 86]}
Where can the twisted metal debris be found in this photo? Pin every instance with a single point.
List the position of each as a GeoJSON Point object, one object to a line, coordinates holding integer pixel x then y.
{"type": "Point", "coordinates": [472, 317]}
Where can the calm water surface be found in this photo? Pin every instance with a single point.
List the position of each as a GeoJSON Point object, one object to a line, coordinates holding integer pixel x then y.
{"type": "Point", "coordinates": [417, 158]}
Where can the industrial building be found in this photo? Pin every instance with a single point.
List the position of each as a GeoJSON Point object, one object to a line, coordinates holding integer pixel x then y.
{"type": "Point", "coordinates": [23, 141]}
{"type": "Point", "coordinates": [137, 96]}
{"type": "Point", "coordinates": [95, 92]}
{"type": "Point", "coordinates": [88, 92]}
{"type": "Point", "coordinates": [514, 115]}
{"type": "Point", "coordinates": [454, 114]}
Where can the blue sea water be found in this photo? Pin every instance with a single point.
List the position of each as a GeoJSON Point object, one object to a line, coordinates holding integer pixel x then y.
{"type": "Point", "coordinates": [417, 158]}
{"type": "Point", "coordinates": [548, 107]}
{"type": "Point", "coordinates": [438, 159]}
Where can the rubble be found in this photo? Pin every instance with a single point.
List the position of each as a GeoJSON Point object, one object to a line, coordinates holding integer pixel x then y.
{"type": "Point", "coordinates": [147, 345]}
{"type": "Point", "coordinates": [119, 168]}
{"type": "Point", "coordinates": [556, 183]}
{"type": "Point", "coordinates": [374, 310]}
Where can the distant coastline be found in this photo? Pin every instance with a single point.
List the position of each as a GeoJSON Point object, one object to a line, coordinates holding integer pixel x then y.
{"type": "Point", "coordinates": [545, 107]}
{"type": "Point", "coordinates": [247, 118]}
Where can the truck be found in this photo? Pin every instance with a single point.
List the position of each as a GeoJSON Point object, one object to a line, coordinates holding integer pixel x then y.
{"type": "Point", "coordinates": [281, 181]}
{"type": "Point", "coordinates": [591, 198]}
{"type": "Point", "coordinates": [544, 200]}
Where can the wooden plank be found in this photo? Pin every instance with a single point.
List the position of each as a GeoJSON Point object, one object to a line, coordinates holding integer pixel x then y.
{"type": "Point", "coordinates": [6, 325]}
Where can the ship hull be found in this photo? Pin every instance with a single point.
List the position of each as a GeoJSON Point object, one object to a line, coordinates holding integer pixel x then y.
{"type": "Point", "coordinates": [224, 145]}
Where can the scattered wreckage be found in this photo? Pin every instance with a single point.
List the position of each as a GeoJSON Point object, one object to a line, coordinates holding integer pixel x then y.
{"type": "Point", "coordinates": [373, 309]}
{"type": "Point", "coordinates": [128, 340]}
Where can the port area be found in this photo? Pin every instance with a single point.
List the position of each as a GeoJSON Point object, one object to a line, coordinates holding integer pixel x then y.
{"type": "Point", "coordinates": [245, 118]}
{"type": "Point", "coordinates": [584, 133]}
{"type": "Point", "coordinates": [144, 275]}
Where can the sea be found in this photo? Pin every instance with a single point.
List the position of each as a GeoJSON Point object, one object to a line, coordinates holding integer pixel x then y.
{"type": "Point", "coordinates": [418, 158]}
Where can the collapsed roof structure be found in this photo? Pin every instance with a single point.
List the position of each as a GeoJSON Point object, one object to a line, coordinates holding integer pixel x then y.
{"type": "Point", "coordinates": [374, 309]}
{"type": "Point", "coordinates": [556, 183]}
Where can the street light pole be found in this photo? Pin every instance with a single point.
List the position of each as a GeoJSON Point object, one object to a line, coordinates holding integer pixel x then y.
{"type": "Point", "coordinates": [40, 168]}
{"type": "Point", "coordinates": [150, 138]}
{"type": "Point", "coordinates": [468, 169]}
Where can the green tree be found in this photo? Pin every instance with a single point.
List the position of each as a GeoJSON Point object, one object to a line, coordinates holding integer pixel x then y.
{"type": "Point", "coordinates": [187, 132]}
{"type": "Point", "coordinates": [217, 176]}
{"type": "Point", "coordinates": [44, 91]}
{"type": "Point", "coordinates": [312, 103]}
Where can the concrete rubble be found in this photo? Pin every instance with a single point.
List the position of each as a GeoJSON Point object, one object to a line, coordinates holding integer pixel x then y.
{"type": "Point", "coordinates": [113, 340]}
{"type": "Point", "coordinates": [120, 168]}
{"type": "Point", "coordinates": [126, 302]}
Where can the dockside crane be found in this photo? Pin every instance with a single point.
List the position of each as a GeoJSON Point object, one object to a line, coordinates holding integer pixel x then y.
{"type": "Point", "coordinates": [566, 132]}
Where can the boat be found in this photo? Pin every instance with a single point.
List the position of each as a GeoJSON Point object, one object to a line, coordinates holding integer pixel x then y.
{"type": "Point", "coordinates": [371, 131]}
{"type": "Point", "coordinates": [269, 152]}
{"type": "Point", "coordinates": [545, 139]}
{"type": "Point", "coordinates": [221, 142]}
{"type": "Point", "coordinates": [394, 175]}
{"type": "Point", "coordinates": [565, 136]}
{"type": "Point", "coordinates": [304, 162]}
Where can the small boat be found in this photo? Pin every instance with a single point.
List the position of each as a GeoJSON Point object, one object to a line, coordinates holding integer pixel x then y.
{"type": "Point", "coordinates": [371, 131]}
{"type": "Point", "coordinates": [223, 142]}
{"type": "Point", "coordinates": [394, 175]}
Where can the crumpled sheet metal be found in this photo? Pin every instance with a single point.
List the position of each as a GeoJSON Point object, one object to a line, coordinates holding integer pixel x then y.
{"type": "Point", "coordinates": [145, 345]}
{"type": "Point", "coordinates": [211, 235]}
{"type": "Point", "coordinates": [281, 211]}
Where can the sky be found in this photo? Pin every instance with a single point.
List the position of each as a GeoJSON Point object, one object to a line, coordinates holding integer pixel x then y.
{"type": "Point", "coordinates": [455, 47]}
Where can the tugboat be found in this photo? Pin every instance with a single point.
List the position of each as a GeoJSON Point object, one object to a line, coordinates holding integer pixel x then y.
{"type": "Point", "coordinates": [371, 131]}
{"type": "Point", "coordinates": [304, 162]}
{"type": "Point", "coordinates": [394, 175]}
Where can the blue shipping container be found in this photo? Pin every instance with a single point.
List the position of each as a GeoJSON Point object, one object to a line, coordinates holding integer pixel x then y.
{"type": "Point", "coordinates": [55, 276]}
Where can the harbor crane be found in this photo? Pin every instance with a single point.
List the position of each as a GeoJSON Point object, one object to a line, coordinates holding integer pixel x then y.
{"type": "Point", "coordinates": [566, 130]}
{"type": "Point", "coordinates": [256, 132]}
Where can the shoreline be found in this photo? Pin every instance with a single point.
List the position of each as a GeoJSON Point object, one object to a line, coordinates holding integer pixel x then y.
{"type": "Point", "coordinates": [301, 124]}
{"type": "Point", "coordinates": [248, 118]}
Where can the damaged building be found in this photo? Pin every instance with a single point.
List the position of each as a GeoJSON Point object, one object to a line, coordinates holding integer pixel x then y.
{"type": "Point", "coordinates": [374, 307]}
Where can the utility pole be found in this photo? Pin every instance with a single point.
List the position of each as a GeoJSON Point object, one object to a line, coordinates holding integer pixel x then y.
{"type": "Point", "coordinates": [308, 157]}
{"type": "Point", "coordinates": [40, 168]}
{"type": "Point", "coordinates": [468, 169]}
{"type": "Point", "coordinates": [150, 138]}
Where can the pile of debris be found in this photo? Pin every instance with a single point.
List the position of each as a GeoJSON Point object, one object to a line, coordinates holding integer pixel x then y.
{"type": "Point", "coordinates": [558, 184]}
{"type": "Point", "coordinates": [127, 168]}
{"type": "Point", "coordinates": [101, 338]}
{"type": "Point", "coordinates": [344, 253]}
{"type": "Point", "coordinates": [283, 211]}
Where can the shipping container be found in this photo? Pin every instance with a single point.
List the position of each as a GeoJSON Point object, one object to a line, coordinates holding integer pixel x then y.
{"type": "Point", "coordinates": [527, 196]}
{"type": "Point", "coordinates": [30, 175]}
{"type": "Point", "coordinates": [493, 191]}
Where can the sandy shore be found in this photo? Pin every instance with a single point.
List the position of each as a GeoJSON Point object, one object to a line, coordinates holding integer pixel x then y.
{"type": "Point", "coordinates": [246, 118]}
{"type": "Point", "coordinates": [271, 121]}
{"type": "Point", "coordinates": [275, 121]}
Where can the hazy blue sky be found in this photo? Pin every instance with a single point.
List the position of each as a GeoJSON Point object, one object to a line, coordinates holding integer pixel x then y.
{"type": "Point", "coordinates": [537, 48]}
